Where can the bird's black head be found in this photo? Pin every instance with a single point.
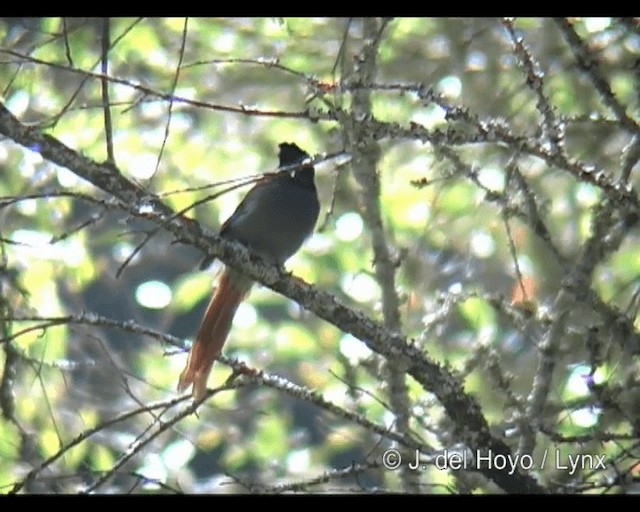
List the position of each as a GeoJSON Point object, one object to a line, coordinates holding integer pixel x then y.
{"type": "Point", "coordinates": [290, 154]}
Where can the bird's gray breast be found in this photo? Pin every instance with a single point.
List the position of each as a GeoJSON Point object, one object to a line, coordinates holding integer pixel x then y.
{"type": "Point", "coordinates": [274, 220]}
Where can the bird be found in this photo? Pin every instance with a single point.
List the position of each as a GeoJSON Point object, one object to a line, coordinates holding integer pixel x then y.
{"type": "Point", "coordinates": [273, 220]}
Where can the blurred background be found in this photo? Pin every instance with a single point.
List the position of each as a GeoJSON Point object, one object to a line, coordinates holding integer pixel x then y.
{"type": "Point", "coordinates": [499, 152]}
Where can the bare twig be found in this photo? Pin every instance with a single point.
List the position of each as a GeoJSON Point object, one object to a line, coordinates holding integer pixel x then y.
{"type": "Point", "coordinates": [151, 92]}
{"type": "Point", "coordinates": [106, 104]}
{"type": "Point", "coordinates": [591, 68]}
{"type": "Point", "coordinates": [176, 77]}
{"type": "Point", "coordinates": [552, 126]}
{"type": "Point", "coordinates": [307, 484]}
{"type": "Point", "coordinates": [463, 409]}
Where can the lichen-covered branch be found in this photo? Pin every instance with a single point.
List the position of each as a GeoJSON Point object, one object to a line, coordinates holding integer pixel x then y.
{"type": "Point", "coordinates": [471, 425]}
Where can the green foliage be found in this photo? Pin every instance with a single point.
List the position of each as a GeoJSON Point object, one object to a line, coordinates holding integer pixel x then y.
{"type": "Point", "coordinates": [468, 180]}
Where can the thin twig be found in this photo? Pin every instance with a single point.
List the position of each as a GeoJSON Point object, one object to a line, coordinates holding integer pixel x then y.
{"type": "Point", "coordinates": [591, 68]}
{"type": "Point", "coordinates": [304, 114]}
{"type": "Point", "coordinates": [462, 408]}
{"type": "Point", "coordinates": [174, 85]}
{"type": "Point", "coordinates": [106, 104]}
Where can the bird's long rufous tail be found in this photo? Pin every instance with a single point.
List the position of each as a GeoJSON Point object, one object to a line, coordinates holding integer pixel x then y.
{"type": "Point", "coordinates": [213, 331]}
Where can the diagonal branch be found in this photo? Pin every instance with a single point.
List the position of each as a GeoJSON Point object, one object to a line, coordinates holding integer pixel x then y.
{"type": "Point", "coordinates": [156, 94]}
{"type": "Point", "coordinates": [106, 102]}
{"type": "Point", "coordinates": [590, 66]}
{"type": "Point", "coordinates": [471, 425]}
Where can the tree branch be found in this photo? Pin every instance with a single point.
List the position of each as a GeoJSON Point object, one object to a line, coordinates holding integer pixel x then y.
{"type": "Point", "coordinates": [365, 161]}
{"type": "Point", "coordinates": [471, 425]}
